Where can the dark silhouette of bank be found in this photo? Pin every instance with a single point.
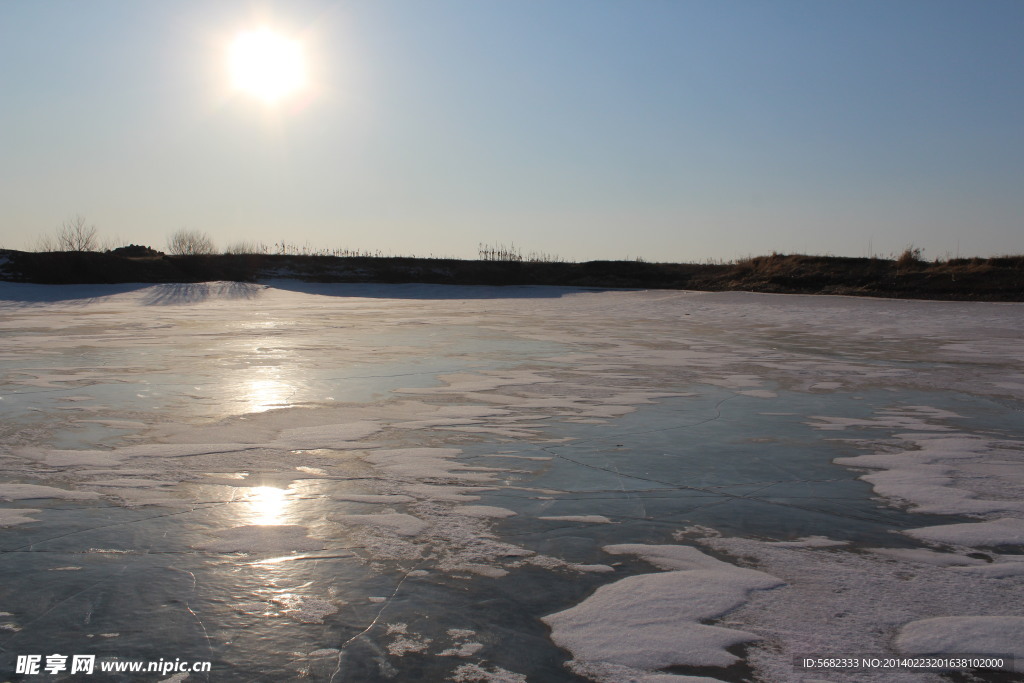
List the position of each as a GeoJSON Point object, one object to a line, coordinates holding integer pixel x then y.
{"type": "Point", "coordinates": [963, 279]}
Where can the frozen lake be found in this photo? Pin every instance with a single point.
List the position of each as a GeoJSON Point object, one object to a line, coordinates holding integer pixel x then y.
{"type": "Point", "coordinates": [342, 482]}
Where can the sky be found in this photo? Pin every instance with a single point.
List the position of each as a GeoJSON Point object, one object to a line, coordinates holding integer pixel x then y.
{"type": "Point", "coordinates": [669, 130]}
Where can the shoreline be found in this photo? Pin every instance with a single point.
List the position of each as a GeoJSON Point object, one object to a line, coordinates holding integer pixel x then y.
{"type": "Point", "coordinates": [966, 279]}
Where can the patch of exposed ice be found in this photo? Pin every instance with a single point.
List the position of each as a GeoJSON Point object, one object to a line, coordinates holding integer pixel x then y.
{"type": "Point", "coordinates": [116, 424]}
{"type": "Point", "coordinates": [262, 539]}
{"type": "Point", "coordinates": [734, 381]}
{"type": "Point", "coordinates": [422, 463]}
{"type": "Point", "coordinates": [30, 491]}
{"type": "Point", "coordinates": [759, 393]}
{"type": "Point", "coordinates": [584, 519]}
{"type": "Point", "coordinates": [444, 492]}
{"type": "Point", "coordinates": [492, 379]}
{"type": "Point", "coordinates": [131, 483]}
{"type": "Point", "coordinates": [372, 498]}
{"type": "Point", "coordinates": [325, 436]}
{"type": "Point", "coordinates": [941, 636]}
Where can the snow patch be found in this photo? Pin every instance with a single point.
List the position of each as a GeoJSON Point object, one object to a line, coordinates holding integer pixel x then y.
{"type": "Point", "coordinates": [15, 516]}
{"type": "Point", "coordinates": [401, 524]}
{"type": "Point", "coordinates": [653, 621]}
{"type": "Point", "coordinates": [947, 636]}
{"type": "Point", "coordinates": [996, 532]}
{"type": "Point", "coordinates": [474, 673]}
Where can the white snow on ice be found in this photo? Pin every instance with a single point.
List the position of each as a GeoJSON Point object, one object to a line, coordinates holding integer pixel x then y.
{"type": "Point", "coordinates": [654, 621]}
{"type": "Point", "coordinates": [965, 635]}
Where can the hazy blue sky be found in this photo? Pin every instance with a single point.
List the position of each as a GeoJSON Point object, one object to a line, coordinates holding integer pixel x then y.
{"type": "Point", "coordinates": [672, 130]}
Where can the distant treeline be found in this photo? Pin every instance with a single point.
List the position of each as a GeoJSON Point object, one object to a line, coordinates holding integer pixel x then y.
{"type": "Point", "coordinates": [989, 279]}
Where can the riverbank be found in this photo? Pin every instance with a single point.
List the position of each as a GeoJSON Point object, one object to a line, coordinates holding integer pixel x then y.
{"type": "Point", "coordinates": [967, 279]}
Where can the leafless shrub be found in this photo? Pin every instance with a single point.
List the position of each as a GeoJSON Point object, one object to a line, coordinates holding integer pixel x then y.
{"type": "Point", "coordinates": [190, 243]}
{"type": "Point", "coordinates": [75, 235]}
{"type": "Point", "coordinates": [46, 243]}
{"type": "Point", "coordinates": [499, 252]}
{"type": "Point", "coordinates": [911, 256]}
{"type": "Point", "coordinates": [247, 247]}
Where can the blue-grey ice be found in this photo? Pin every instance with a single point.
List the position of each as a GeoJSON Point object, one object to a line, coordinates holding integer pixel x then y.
{"type": "Point", "coordinates": [371, 482]}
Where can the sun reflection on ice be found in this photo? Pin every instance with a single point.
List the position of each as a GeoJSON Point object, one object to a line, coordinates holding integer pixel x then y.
{"type": "Point", "coordinates": [262, 395]}
{"type": "Point", "coordinates": [268, 505]}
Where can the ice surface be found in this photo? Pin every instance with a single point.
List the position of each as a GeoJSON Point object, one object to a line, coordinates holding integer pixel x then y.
{"type": "Point", "coordinates": [373, 498]}
{"type": "Point", "coordinates": [585, 519]}
{"type": "Point", "coordinates": [262, 539]}
{"type": "Point", "coordinates": [30, 491]}
{"type": "Point", "coordinates": [262, 471]}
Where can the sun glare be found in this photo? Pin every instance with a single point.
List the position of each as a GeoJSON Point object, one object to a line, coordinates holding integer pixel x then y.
{"type": "Point", "coordinates": [268, 505]}
{"type": "Point", "coordinates": [266, 65]}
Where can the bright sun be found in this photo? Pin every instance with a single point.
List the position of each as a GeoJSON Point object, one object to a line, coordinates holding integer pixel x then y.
{"type": "Point", "coordinates": [266, 65]}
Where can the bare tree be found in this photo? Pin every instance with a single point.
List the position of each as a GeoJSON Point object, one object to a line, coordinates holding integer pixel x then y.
{"type": "Point", "coordinates": [189, 243]}
{"type": "Point", "coordinates": [75, 235]}
{"type": "Point", "coordinates": [45, 243]}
